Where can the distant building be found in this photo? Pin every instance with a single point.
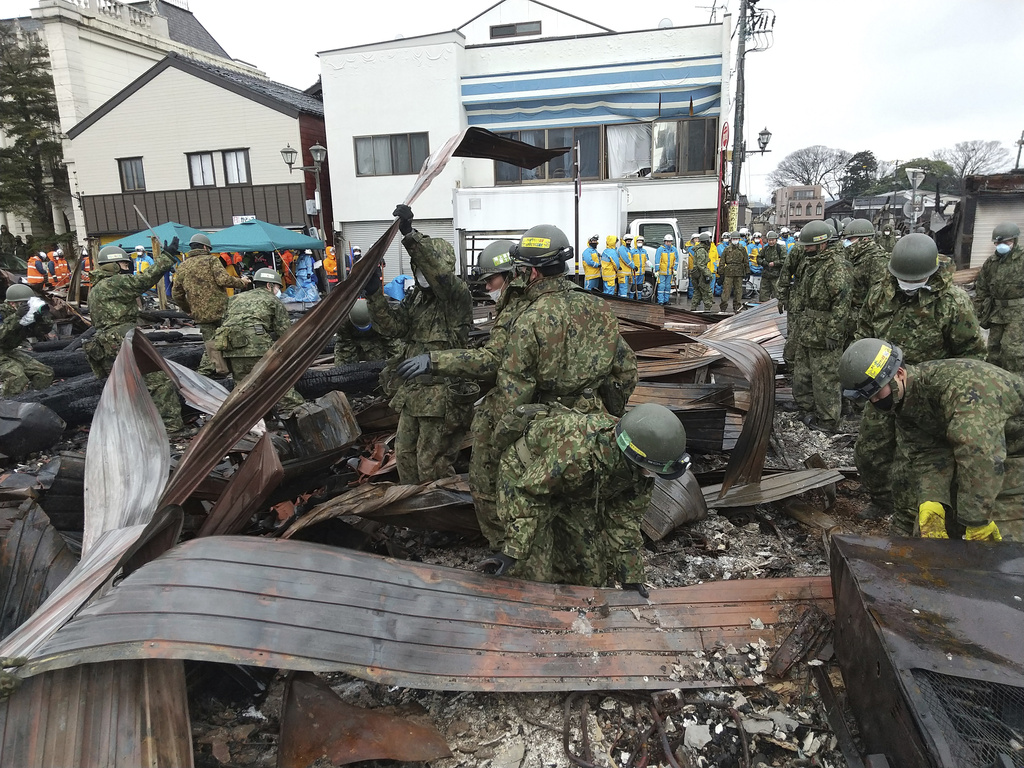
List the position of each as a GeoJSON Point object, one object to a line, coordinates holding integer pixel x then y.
{"type": "Point", "coordinates": [220, 160]}
{"type": "Point", "coordinates": [795, 206]}
{"type": "Point", "coordinates": [987, 202]}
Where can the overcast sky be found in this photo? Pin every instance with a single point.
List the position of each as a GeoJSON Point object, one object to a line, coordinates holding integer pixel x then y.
{"type": "Point", "coordinates": [898, 77]}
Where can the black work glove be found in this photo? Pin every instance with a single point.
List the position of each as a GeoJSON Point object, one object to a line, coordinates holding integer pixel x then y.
{"type": "Point", "coordinates": [374, 284]}
{"type": "Point", "coordinates": [639, 588]}
{"type": "Point", "coordinates": [414, 366]}
{"type": "Point", "coordinates": [22, 309]}
{"type": "Point", "coordinates": [782, 308]}
{"type": "Point", "coordinates": [833, 344]}
{"type": "Point", "coordinates": [403, 212]}
{"type": "Point", "coordinates": [171, 248]}
{"type": "Point", "coordinates": [497, 564]}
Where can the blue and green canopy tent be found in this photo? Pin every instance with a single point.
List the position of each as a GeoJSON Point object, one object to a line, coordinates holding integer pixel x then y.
{"type": "Point", "coordinates": [258, 235]}
{"type": "Point", "coordinates": [166, 233]}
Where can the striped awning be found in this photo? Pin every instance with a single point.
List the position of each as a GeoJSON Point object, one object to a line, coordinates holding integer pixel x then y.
{"type": "Point", "coordinates": [615, 93]}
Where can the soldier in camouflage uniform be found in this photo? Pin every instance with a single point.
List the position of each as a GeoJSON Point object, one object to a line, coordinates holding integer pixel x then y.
{"type": "Point", "coordinates": [887, 236]}
{"type": "Point", "coordinates": [199, 289]}
{"type": "Point", "coordinates": [434, 411]}
{"type": "Point", "coordinates": [822, 292]}
{"type": "Point", "coordinates": [114, 310]}
{"type": "Point", "coordinates": [733, 267]}
{"type": "Point", "coordinates": [772, 259]}
{"type": "Point", "coordinates": [700, 275]}
{"type": "Point", "coordinates": [960, 438]}
{"type": "Point", "coordinates": [999, 299]}
{"type": "Point", "coordinates": [573, 491]}
{"type": "Point", "coordinates": [253, 322]}
{"type": "Point", "coordinates": [22, 315]}
{"type": "Point", "coordinates": [358, 341]}
{"type": "Point", "coordinates": [787, 295]}
{"type": "Point", "coordinates": [868, 263]}
{"type": "Point", "coordinates": [929, 319]}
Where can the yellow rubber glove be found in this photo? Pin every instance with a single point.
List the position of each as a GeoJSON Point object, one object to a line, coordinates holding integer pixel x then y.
{"type": "Point", "coordinates": [987, 532]}
{"type": "Point", "coordinates": [931, 519]}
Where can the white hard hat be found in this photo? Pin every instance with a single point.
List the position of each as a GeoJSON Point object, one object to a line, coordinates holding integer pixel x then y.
{"type": "Point", "coordinates": [669, 239]}
{"type": "Point", "coordinates": [59, 252]}
{"type": "Point", "coordinates": [695, 235]}
{"type": "Point", "coordinates": [140, 249]}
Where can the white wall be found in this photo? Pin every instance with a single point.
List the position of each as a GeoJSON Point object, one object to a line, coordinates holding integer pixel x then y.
{"type": "Point", "coordinates": [409, 86]}
{"type": "Point", "coordinates": [553, 22]}
{"type": "Point", "coordinates": [159, 123]}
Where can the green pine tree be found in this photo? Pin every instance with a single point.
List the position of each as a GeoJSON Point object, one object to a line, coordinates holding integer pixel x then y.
{"type": "Point", "coordinates": [31, 173]}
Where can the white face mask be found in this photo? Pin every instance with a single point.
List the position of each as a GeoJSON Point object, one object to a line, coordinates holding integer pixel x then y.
{"type": "Point", "coordinates": [847, 243]}
{"type": "Point", "coordinates": [495, 295]}
{"type": "Point", "coordinates": [911, 288]}
{"type": "Point", "coordinates": [277, 292]}
{"type": "Point", "coordinates": [421, 281]}
{"type": "Point", "coordinates": [1003, 248]}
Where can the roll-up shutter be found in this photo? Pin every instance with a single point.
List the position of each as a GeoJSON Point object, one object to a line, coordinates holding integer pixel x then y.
{"type": "Point", "coordinates": [365, 233]}
{"type": "Point", "coordinates": [993, 210]}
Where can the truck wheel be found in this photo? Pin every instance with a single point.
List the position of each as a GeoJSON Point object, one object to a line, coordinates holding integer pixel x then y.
{"type": "Point", "coordinates": [648, 289]}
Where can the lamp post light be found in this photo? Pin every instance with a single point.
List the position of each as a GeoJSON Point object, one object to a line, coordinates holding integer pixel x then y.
{"type": "Point", "coordinates": [319, 153]}
{"type": "Point", "coordinates": [763, 138]}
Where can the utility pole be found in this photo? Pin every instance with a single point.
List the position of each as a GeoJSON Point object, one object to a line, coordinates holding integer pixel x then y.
{"type": "Point", "coordinates": [737, 144]}
{"type": "Point", "coordinates": [1019, 143]}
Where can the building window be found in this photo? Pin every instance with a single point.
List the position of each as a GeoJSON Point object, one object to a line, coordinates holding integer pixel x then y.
{"type": "Point", "coordinates": [684, 147]}
{"type": "Point", "coordinates": [629, 150]}
{"type": "Point", "coordinates": [391, 155]}
{"type": "Point", "coordinates": [817, 210]}
{"type": "Point", "coordinates": [799, 210]}
{"type": "Point", "coordinates": [133, 179]}
{"type": "Point", "coordinates": [803, 194]}
{"type": "Point", "coordinates": [200, 169]}
{"type": "Point", "coordinates": [559, 169]}
{"type": "Point", "coordinates": [515, 30]}
{"type": "Point", "coordinates": [236, 167]}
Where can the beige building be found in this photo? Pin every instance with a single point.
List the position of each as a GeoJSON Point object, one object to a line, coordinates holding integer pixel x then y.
{"type": "Point", "coordinates": [795, 206]}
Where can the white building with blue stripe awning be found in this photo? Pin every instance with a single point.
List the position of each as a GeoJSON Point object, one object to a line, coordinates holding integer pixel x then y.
{"type": "Point", "coordinates": [645, 108]}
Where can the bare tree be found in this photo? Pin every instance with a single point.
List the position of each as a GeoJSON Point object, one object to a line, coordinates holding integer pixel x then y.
{"type": "Point", "coordinates": [971, 158]}
{"type": "Point", "coordinates": [812, 165]}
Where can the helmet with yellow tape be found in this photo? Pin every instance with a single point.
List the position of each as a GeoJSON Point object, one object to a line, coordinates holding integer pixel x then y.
{"type": "Point", "coordinates": [542, 246]}
{"type": "Point", "coordinates": [867, 366]}
{"type": "Point", "coordinates": [495, 258]}
{"type": "Point", "coordinates": [652, 437]}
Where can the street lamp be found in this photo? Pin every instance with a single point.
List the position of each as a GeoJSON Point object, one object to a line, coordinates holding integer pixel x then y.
{"type": "Point", "coordinates": [763, 138]}
{"type": "Point", "coordinates": [319, 153]}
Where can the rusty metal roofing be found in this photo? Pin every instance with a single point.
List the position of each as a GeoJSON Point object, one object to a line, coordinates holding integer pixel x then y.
{"type": "Point", "coordinates": [33, 562]}
{"type": "Point", "coordinates": [673, 503]}
{"type": "Point", "coordinates": [772, 487]}
{"type": "Point", "coordinates": [248, 489]}
{"type": "Point", "coordinates": [295, 605]}
{"type": "Point", "coordinates": [125, 713]}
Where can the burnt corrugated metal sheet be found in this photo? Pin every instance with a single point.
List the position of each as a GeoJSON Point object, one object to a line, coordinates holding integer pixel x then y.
{"type": "Point", "coordinates": [259, 475]}
{"type": "Point", "coordinates": [771, 488]}
{"type": "Point", "coordinates": [673, 503]}
{"type": "Point", "coordinates": [33, 562]}
{"type": "Point", "coordinates": [296, 605]}
{"type": "Point", "coordinates": [125, 713]}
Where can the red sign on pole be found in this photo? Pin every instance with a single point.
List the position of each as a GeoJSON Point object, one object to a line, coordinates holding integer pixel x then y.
{"type": "Point", "coordinates": [725, 136]}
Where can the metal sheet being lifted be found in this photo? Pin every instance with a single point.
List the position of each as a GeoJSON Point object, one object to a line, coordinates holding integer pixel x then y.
{"type": "Point", "coordinates": [295, 605]}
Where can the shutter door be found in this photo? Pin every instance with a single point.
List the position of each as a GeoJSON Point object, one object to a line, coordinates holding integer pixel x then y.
{"type": "Point", "coordinates": [365, 233]}
{"type": "Point", "coordinates": [992, 210]}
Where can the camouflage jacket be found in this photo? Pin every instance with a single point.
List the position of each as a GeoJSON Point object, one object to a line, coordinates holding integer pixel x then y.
{"type": "Point", "coordinates": [869, 265]}
{"type": "Point", "coordinates": [199, 286]}
{"type": "Point", "coordinates": [564, 341]}
{"type": "Point", "coordinates": [822, 294]}
{"type": "Point", "coordinates": [352, 345]}
{"type": "Point", "coordinates": [426, 320]}
{"type": "Point", "coordinates": [13, 333]}
{"type": "Point", "coordinates": [936, 323]}
{"type": "Point", "coordinates": [700, 270]}
{"type": "Point", "coordinates": [886, 243]}
{"type": "Point", "coordinates": [735, 262]}
{"type": "Point", "coordinates": [575, 461]}
{"type": "Point", "coordinates": [254, 321]}
{"type": "Point", "coordinates": [113, 297]}
{"type": "Point", "coordinates": [999, 289]}
{"type": "Point", "coordinates": [956, 412]}
{"type": "Point", "coordinates": [482, 363]}
{"type": "Point", "coordinates": [772, 254]}
{"type": "Point", "coordinates": [787, 279]}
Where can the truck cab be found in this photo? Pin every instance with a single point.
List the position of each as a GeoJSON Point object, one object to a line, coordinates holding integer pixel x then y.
{"type": "Point", "coordinates": [653, 232]}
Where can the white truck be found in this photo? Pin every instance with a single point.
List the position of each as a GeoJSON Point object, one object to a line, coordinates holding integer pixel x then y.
{"type": "Point", "coordinates": [653, 232]}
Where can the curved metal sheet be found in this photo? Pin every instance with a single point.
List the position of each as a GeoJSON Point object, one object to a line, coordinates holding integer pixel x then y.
{"type": "Point", "coordinates": [295, 605]}
{"type": "Point", "coordinates": [771, 488]}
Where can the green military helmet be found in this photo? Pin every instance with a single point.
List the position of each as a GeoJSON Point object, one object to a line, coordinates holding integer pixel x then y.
{"type": "Point", "coordinates": [845, 223]}
{"type": "Point", "coordinates": [1005, 232]}
{"type": "Point", "coordinates": [867, 366]}
{"type": "Point", "coordinates": [705, 237]}
{"type": "Point", "coordinates": [111, 253]}
{"type": "Point", "coordinates": [815, 232]}
{"type": "Point", "coordinates": [542, 246]}
{"type": "Point", "coordinates": [833, 230]}
{"type": "Point", "coordinates": [495, 259]}
{"type": "Point", "coordinates": [267, 275]}
{"type": "Point", "coordinates": [859, 228]}
{"type": "Point", "coordinates": [201, 240]}
{"type": "Point", "coordinates": [19, 293]}
{"type": "Point", "coordinates": [359, 316]}
{"type": "Point", "coordinates": [772, 235]}
{"type": "Point", "coordinates": [914, 258]}
{"type": "Point", "coordinates": [652, 437]}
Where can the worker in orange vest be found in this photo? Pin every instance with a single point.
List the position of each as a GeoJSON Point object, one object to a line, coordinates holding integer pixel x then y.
{"type": "Point", "coordinates": [84, 277]}
{"type": "Point", "coordinates": [331, 265]}
{"type": "Point", "coordinates": [62, 273]}
{"type": "Point", "coordinates": [41, 272]}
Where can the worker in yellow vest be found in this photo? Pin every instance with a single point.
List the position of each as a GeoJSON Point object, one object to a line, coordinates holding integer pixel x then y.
{"type": "Point", "coordinates": [592, 265]}
{"type": "Point", "coordinates": [610, 264]}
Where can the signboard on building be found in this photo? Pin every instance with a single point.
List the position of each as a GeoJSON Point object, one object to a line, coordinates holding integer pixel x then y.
{"type": "Point", "coordinates": [241, 219]}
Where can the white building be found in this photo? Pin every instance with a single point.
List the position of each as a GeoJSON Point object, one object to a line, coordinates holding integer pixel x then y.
{"type": "Point", "coordinates": [645, 107]}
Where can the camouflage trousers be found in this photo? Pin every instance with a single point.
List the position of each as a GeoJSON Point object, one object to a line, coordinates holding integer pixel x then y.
{"type": "Point", "coordinates": [161, 389]}
{"type": "Point", "coordinates": [20, 372]}
{"type": "Point", "coordinates": [578, 538]}
{"type": "Point", "coordinates": [702, 294]}
{"type": "Point", "coordinates": [483, 474]}
{"type": "Point", "coordinates": [769, 289]}
{"type": "Point", "coordinates": [874, 454]}
{"type": "Point", "coordinates": [1006, 346]}
{"type": "Point", "coordinates": [242, 367]}
{"type": "Point", "coordinates": [426, 446]}
{"type": "Point", "coordinates": [732, 287]}
{"type": "Point", "coordinates": [208, 364]}
{"type": "Point", "coordinates": [789, 349]}
{"type": "Point", "coordinates": [816, 383]}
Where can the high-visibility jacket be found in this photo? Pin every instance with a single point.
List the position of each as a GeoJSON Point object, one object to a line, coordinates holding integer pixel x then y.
{"type": "Point", "coordinates": [591, 264]}
{"type": "Point", "coordinates": [41, 271]}
{"type": "Point", "coordinates": [625, 264]}
{"type": "Point", "coordinates": [85, 278]}
{"type": "Point", "coordinates": [609, 265]}
{"type": "Point", "coordinates": [331, 264]}
{"type": "Point", "coordinates": [665, 260]}
{"type": "Point", "coordinates": [638, 256]}
{"type": "Point", "coordinates": [62, 273]}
